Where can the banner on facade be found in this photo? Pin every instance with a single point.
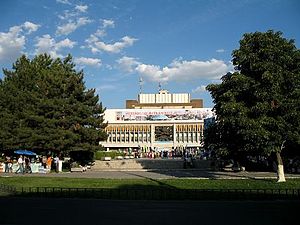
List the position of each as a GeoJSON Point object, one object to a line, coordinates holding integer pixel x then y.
{"type": "Point", "coordinates": [163, 114]}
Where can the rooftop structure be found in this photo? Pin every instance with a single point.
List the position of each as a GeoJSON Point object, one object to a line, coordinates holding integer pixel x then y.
{"type": "Point", "coordinates": [164, 100]}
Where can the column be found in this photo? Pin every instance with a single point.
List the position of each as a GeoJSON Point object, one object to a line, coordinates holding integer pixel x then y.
{"type": "Point", "coordinates": [174, 135]}
{"type": "Point", "coordinates": [152, 130]}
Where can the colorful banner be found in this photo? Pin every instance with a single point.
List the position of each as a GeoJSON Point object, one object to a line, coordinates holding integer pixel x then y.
{"type": "Point", "coordinates": [160, 115]}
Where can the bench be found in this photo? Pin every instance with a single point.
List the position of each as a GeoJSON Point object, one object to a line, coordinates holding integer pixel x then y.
{"type": "Point", "coordinates": [107, 158]}
{"type": "Point", "coordinates": [76, 169]}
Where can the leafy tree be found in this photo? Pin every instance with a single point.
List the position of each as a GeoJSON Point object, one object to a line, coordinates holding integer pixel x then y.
{"type": "Point", "coordinates": [257, 106]}
{"type": "Point", "coordinates": [44, 104]}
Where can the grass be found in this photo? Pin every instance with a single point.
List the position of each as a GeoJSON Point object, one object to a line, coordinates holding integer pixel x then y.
{"type": "Point", "coordinates": [20, 182]}
{"type": "Point", "coordinates": [151, 189]}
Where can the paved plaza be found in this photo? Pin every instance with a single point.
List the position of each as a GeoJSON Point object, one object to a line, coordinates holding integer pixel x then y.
{"type": "Point", "coordinates": [161, 174]}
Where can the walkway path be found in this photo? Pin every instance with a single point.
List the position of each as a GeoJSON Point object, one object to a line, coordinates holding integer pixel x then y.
{"type": "Point", "coordinates": [161, 174]}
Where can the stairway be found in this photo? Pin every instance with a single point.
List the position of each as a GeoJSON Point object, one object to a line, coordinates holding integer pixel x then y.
{"type": "Point", "coordinates": [147, 164]}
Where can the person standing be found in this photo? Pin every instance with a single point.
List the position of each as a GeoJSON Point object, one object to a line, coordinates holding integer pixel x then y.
{"type": "Point", "coordinates": [56, 162]}
{"type": "Point", "coordinates": [21, 165]}
{"type": "Point", "coordinates": [7, 158]}
{"type": "Point", "coordinates": [10, 164]}
{"type": "Point", "coordinates": [27, 165]}
{"type": "Point", "coordinates": [49, 163]}
{"type": "Point", "coordinates": [44, 162]}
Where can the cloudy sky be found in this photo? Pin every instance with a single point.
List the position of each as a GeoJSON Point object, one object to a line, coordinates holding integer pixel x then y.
{"type": "Point", "coordinates": [182, 44]}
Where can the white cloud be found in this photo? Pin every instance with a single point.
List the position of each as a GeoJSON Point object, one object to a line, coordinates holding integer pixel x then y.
{"type": "Point", "coordinates": [72, 20]}
{"type": "Point", "coordinates": [83, 21]}
{"type": "Point", "coordinates": [151, 72]}
{"type": "Point", "coordinates": [66, 43]}
{"type": "Point", "coordinates": [13, 42]}
{"type": "Point", "coordinates": [97, 46]}
{"type": "Point", "coordinates": [66, 28]}
{"type": "Point", "coordinates": [100, 33]}
{"type": "Point", "coordinates": [73, 13]}
{"type": "Point", "coordinates": [220, 50]}
{"type": "Point", "coordinates": [178, 70]}
{"type": "Point", "coordinates": [88, 61]}
{"type": "Point", "coordinates": [108, 23]}
{"type": "Point", "coordinates": [68, 14]}
{"type": "Point", "coordinates": [46, 44]}
{"type": "Point", "coordinates": [64, 2]}
{"type": "Point", "coordinates": [71, 26]}
{"type": "Point", "coordinates": [31, 27]}
{"type": "Point", "coordinates": [199, 89]}
{"type": "Point", "coordinates": [128, 64]}
{"type": "Point", "coordinates": [81, 8]}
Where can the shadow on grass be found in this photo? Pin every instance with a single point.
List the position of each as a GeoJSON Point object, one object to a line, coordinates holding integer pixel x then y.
{"type": "Point", "coordinates": [159, 192]}
{"type": "Point", "coordinates": [201, 169]}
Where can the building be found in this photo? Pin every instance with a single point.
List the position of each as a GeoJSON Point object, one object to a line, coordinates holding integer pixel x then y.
{"type": "Point", "coordinates": [157, 121]}
{"type": "Point", "coordinates": [164, 100]}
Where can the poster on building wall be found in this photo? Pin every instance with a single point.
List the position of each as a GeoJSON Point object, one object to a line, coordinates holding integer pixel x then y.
{"type": "Point", "coordinates": [161, 115]}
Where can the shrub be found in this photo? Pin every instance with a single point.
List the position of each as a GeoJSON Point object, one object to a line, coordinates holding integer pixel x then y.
{"type": "Point", "coordinates": [113, 154]}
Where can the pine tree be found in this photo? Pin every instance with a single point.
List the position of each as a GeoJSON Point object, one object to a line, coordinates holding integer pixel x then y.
{"type": "Point", "coordinates": [46, 106]}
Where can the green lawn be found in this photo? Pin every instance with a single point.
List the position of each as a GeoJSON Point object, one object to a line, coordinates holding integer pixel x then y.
{"type": "Point", "coordinates": [20, 182]}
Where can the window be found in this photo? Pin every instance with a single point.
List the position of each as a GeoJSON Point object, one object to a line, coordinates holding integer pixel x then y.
{"type": "Point", "coordinates": [164, 133]}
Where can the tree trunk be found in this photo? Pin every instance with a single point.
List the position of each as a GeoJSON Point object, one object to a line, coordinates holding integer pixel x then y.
{"type": "Point", "coordinates": [280, 171]}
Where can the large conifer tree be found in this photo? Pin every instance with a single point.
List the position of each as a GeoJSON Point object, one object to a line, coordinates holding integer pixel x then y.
{"type": "Point", "coordinates": [44, 105]}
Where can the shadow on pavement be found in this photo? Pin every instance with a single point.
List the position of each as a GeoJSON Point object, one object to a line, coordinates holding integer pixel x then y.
{"type": "Point", "coordinates": [94, 211]}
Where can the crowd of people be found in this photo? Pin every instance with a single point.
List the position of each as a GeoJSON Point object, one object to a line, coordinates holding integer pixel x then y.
{"type": "Point", "coordinates": [24, 163]}
{"type": "Point", "coordinates": [169, 154]}
{"type": "Point", "coordinates": [44, 164]}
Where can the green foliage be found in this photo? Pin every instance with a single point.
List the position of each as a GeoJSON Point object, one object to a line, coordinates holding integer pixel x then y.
{"type": "Point", "coordinates": [113, 154]}
{"type": "Point", "coordinates": [44, 104]}
{"type": "Point", "coordinates": [257, 106]}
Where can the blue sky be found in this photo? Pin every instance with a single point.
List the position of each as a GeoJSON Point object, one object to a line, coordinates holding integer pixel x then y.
{"type": "Point", "coordinates": [182, 44]}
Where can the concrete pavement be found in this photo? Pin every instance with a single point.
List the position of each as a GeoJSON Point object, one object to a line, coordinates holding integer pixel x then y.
{"type": "Point", "coordinates": [160, 174]}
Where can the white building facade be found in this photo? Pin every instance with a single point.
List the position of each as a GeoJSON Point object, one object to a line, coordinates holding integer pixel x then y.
{"type": "Point", "coordinates": [152, 127]}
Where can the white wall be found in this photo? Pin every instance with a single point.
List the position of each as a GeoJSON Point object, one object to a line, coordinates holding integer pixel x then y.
{"type": "Point", "coordinates": [164, 98]}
